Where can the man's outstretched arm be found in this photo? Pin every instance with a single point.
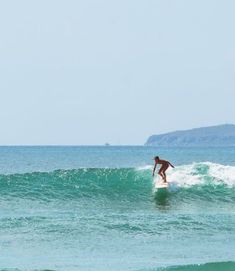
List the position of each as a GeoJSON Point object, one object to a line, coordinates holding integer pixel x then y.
{"type": "Point", "coordinates": [154, 168]}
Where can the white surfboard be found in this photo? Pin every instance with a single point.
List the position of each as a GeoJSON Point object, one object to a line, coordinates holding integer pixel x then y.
{"type": "Point", "coordinates": [160, 184]}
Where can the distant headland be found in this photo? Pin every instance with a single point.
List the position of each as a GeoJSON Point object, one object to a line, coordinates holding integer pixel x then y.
{"type": "Point", "coordinates": [220, 135]}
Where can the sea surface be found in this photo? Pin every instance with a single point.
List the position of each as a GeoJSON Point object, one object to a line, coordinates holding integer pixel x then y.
{"type": "Point", "coordinates": [95, 208]}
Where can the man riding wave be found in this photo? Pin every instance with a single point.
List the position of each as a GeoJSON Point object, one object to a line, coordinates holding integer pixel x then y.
{"type": "Point", "coordinates": [164, 166]}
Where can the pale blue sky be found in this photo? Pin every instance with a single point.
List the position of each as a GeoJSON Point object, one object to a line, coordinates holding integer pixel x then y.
{"type": "Point", "coordinates": [90, 72]}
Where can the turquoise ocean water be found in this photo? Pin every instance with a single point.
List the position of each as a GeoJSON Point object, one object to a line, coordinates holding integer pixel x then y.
{"type": "Point", "coordinates": [95, 208]}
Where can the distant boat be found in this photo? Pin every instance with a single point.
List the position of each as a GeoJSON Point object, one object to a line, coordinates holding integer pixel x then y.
{"type": "Point", "coordinates": [107, 144]}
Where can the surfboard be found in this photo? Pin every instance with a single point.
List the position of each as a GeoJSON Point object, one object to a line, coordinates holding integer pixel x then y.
{"type": "Point", "coordinates": [161, 185]}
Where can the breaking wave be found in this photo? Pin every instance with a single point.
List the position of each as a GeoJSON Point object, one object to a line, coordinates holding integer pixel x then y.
{"type": "Point", "coordinates": [206, 180]}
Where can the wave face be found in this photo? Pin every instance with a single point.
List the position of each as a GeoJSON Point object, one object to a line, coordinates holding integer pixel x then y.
{"type": "Point", "coordinates": [75, 184]}
{"type": "Point", "coordinates": [206, 181]}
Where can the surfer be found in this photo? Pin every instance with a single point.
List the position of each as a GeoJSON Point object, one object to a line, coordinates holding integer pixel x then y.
{"type": "Point", "coordinates": [164, 166]}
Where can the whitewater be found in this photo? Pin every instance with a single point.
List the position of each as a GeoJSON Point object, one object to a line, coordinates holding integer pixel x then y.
{"type": "Point", "coordinates": [95, 208]}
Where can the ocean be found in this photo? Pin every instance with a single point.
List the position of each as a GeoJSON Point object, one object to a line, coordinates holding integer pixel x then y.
{"type": "Point", "coordinates": [95, 208]}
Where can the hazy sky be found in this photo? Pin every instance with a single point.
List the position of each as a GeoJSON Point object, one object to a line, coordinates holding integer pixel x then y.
{"type": "Point", "coordinates": [90, 72]}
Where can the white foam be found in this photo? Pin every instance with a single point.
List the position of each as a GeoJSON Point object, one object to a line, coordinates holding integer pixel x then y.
{"type": "Point", "coordinates": [222, 173]}
{"type": "Point", "coordinates": [147, 167]}
{"type": "Point", "coordinates": [188, 175]}
{"type": "Point", "coordinates": [183, 176]}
